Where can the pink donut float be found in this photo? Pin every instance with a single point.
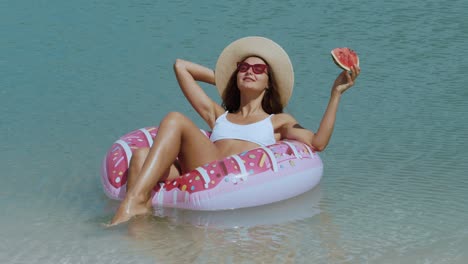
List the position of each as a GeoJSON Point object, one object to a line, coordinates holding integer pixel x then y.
{"type": "Point", "coordinates": [260, 176]}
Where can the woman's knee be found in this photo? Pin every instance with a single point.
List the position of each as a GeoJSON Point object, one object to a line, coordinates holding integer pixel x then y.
{"type": "Point", "coordinates": [174, 118]}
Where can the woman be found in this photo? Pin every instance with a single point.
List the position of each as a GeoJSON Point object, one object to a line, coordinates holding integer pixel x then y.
{"type": "Point", "coordinates": [255, 77]}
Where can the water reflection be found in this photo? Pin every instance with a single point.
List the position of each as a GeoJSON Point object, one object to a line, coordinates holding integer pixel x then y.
{"type": "Point", "coordinates": [296, 208]}
{"type": "Point", "coordinates": [274, 233]}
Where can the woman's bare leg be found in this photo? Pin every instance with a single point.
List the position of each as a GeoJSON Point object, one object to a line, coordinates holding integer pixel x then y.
{"type": "Point", "coordinates": [136, 163]}
{"type": "Point", "coordinates": [179, 137]}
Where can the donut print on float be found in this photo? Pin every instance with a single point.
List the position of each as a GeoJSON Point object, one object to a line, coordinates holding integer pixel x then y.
{"type": "Point", "coordinates": [285, 162]}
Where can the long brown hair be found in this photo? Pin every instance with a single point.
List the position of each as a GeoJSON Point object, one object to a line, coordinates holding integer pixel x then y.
{"type": "Point", "coordinates": [271, 102]}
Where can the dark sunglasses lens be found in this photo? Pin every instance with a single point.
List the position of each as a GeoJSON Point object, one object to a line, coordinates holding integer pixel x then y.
{"type": "Point", "coordinates": [258, 68]}
{"type": "Point", "coordinates": [243, 67]}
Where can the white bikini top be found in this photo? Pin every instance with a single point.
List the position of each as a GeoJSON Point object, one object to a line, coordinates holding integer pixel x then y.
{"type": "Point", "coordinates": [261, 132]}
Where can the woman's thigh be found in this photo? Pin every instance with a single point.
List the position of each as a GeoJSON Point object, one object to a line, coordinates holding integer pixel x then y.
{"type": "Point", "coordinates": [196, 148]}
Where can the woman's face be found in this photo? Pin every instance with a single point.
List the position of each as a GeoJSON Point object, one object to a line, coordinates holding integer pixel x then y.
{"type": "Point", "coordinates": [252, 74]}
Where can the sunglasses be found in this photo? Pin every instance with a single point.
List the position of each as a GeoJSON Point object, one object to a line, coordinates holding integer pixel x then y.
{"type": "Point", "coordinates": [256, 68]}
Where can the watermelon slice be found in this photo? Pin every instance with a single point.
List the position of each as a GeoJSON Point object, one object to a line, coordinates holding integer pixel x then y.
{"type": "Point", "coordinates": [345, 58]}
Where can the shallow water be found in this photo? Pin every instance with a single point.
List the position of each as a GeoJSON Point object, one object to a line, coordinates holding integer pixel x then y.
{"type": "Point", "coordinates": [76, 76]}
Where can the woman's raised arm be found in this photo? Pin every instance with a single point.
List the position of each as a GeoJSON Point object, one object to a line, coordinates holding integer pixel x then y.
{"type": "Point", "coordinates": [319, 141]}
{"type": "Point", "coordinates": [187, 74]}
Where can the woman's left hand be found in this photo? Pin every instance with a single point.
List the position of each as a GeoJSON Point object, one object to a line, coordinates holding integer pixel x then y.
{"type": "Point", "coordinates": [345, 80]}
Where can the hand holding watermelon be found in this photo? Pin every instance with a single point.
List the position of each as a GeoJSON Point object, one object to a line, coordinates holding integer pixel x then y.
{"type": "Point", "coordinates": [348, 60]}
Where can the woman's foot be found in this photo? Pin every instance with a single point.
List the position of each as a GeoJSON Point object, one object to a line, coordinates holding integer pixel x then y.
{"type": "Point", "coordinates": [129, 208]}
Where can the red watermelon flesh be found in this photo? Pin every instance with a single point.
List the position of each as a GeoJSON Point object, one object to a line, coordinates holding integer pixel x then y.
{"type": "Point", "coordinates": [345, 58]}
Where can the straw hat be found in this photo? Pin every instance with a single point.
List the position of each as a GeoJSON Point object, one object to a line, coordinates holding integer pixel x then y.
{"type": "Point", "coordinates": [277, 59]}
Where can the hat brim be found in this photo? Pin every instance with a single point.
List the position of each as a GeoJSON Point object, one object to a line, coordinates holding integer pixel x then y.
{"type": "Point", "coordinates": [277, 59]}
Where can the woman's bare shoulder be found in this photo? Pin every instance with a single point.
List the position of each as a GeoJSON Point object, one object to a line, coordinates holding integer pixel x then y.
{"type": "Point", "coordinates": [283, 119]}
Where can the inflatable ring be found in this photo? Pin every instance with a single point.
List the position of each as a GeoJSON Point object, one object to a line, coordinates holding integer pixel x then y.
{"type": "Point", "coordinates": [297, 208]}
{"type": "Point", "coordinates": [259, 176]}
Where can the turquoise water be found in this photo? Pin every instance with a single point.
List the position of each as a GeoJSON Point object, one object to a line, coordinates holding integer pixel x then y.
{"type": "Point", "coordinates": [76, 76]}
